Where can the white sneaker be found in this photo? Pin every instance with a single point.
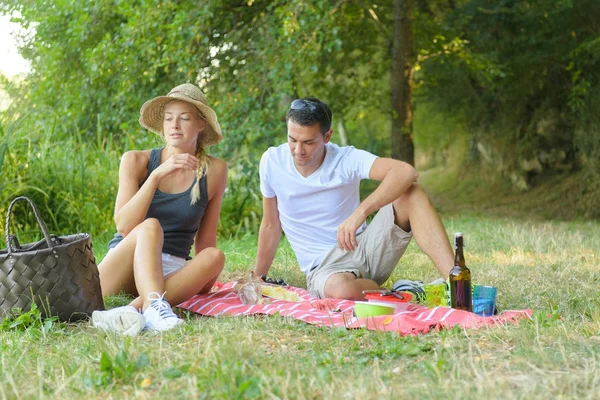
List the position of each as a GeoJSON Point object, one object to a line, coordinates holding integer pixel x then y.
{"type": "Point", "coordinates": [125, 320]}
{"type": "Point", "coordinates": [159, 315]}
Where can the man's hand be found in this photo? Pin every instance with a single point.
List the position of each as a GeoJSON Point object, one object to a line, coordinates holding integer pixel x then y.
{"type": "Point", "coordinates": [346, 232]}
{"type": "Point", "coordinates": [395, 177]}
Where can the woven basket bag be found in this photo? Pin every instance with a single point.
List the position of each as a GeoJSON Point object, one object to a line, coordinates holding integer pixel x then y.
{"type": "Point", "coordinates": [59, 273]}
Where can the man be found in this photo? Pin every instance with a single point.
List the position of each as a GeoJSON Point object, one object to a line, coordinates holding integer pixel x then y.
{"type": "Point", "coordinates": [310, 190]}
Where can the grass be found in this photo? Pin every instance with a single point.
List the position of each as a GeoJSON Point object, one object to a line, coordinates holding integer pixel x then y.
{"type": "Point", "coordinates": [567, 196]}
{"type": "Point", "coordinates": [548, 266]}
{"type": "Point", "coordinates": [551, 267]}
{"type": "Point", "coordinates": [73, 180]}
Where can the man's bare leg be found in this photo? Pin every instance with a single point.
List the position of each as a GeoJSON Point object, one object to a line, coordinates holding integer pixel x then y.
{"type": "Point", "coordinates": [427, 229]}
{"type": "Point", "coordinates": [415, 212]}
{"type": "Point", "coordinates": [345, 285]}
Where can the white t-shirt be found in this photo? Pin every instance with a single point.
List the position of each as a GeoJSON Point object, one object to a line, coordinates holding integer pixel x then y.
{"type": "Point", "coordinates": [312, 208]}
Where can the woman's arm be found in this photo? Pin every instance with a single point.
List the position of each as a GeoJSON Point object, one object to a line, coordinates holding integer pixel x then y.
{"type": "Point", "coordinates": [217, 182]}
{"type": "Point", "coordinates": [132, 200]}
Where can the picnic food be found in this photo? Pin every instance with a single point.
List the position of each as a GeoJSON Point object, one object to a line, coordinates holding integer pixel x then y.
{"type": "Point", "coordinates": [436, 294]}
{"type": "Point", "coordinates": [278, 292]}
{"type": "Point", "coordinates": [247, 287]}
{"type": "Point", "coordinates": [460, 278]}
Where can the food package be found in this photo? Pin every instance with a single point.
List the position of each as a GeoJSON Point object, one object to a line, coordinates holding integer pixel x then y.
{"type": "Point", "coordinates": [279, 292]}
{"type": "Point", "coordinates": [248, 289]}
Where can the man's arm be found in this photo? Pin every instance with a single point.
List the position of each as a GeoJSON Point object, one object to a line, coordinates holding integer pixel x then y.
{"type": "Point", "coordinates": [395, 177]}
{"type": "Point", "coordinates": [268, 236]}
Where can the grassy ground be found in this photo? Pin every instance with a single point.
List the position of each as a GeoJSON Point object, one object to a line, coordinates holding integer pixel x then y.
{"type": "Point", "coordinates": [551, 267]}
{"type": "Point", "coordinates": [571, 196]}
{"type": "Point", "coordinates": [536, 247]}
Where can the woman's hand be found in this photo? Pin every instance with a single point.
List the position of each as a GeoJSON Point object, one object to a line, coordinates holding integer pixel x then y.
{"type": "Point", "coordinates": [176, 162]}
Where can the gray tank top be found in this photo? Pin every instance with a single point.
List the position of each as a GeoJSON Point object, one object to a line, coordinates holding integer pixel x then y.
{"type": "Point", "coordinates": [178, 219]}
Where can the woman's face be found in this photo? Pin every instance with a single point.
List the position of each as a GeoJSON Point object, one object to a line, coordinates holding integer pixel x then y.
{"type": "Point", "coordinates": [182, 124]}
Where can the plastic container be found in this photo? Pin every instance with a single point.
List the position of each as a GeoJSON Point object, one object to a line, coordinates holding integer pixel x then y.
{"type": "Point", "coordinates": [365, 309]}
{"type": "Point", "coordinates": [385, 297]}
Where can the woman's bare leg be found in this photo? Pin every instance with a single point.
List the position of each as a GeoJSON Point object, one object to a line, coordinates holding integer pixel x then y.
{"type": "Point", "coordinates": [197, 276]}
{"type": "Point", "coordinates": [135, 265]}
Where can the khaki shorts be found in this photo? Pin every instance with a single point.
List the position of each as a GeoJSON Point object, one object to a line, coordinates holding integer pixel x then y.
{"type": "Point", "coordinates": [380, 247]}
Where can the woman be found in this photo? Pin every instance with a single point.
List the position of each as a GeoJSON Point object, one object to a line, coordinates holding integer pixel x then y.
{"type": "Point", "coordinates": [168, 198]}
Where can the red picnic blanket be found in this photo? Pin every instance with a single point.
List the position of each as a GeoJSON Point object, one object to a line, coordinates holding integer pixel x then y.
{"type": "Point", "coordinates": [408, 318]}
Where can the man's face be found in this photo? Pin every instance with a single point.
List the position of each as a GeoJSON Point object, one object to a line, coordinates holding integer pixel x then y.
{"type": "Point", "coordinates": [307, 145]}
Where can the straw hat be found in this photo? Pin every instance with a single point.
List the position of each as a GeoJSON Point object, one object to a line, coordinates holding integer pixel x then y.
{"type": "Point", "coordinates": [153, 111]}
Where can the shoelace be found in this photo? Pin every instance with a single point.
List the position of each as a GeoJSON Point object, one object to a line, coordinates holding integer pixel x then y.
{"type": "Point", "coordinates": [161, 305]}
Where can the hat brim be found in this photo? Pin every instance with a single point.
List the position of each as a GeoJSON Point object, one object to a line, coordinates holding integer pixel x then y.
{"type": "Point", "coordinates": [153, 111]}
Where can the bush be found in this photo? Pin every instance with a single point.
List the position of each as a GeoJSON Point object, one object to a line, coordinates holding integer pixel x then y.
{"type": "Point", "coordinates": [74, 182]}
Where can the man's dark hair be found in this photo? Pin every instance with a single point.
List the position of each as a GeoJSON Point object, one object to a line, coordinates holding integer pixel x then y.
{"type": "Point", "coordinates": [309, 111]}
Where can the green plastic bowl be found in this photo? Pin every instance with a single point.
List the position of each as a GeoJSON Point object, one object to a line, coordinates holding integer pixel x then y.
{"type": "Point", "coordinates": [364, 309]}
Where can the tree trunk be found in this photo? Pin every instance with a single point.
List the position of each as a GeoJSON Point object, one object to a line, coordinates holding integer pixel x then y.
{"type": "Point", "coordinates": [342, 133]}
{"type": "Point", "coordinates": [401, 86]}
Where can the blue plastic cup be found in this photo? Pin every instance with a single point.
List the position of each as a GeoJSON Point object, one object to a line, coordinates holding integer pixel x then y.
{"type": "Point", "coordinates": [484, 300]}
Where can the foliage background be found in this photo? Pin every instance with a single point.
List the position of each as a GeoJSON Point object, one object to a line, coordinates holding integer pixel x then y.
{"type": "Point", "coordinates": [505, 92]}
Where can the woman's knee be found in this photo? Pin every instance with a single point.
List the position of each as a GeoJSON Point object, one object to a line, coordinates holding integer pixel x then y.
{"type": "Point", "coordinates": [152, 224]}
{"type": "Point", "coordinates": [149, 227]}
{"type": "Point", "coordinates": [214, 256]}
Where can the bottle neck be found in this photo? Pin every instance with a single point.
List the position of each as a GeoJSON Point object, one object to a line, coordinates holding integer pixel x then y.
{"type": "Point", "coordinates": [459, 257]}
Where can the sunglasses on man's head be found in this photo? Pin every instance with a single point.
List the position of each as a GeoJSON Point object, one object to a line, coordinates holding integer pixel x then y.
{"type": "Point", "coordinates": [312, 106]}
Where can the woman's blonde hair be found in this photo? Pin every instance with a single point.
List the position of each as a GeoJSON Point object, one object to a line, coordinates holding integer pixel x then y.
{"type": "Point", "coordinates": [203, 162]}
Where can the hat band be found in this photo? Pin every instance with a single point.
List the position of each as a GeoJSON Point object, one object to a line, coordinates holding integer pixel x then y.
{"type": "Point", "coordinates": [186, 95]}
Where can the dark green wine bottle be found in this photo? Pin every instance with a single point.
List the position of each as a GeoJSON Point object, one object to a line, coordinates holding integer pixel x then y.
{"type": "Point", "coordinates": [460, 278]}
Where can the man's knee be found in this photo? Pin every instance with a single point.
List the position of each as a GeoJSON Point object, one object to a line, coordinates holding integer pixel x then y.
{"type": "Point", "coordinates": [414, 194]}
{"type": "Point", "coordinates": [340, 286]}
{"type": "Point", "coordinates": [335, 292]}
{"type": "Point", "coordinates": [413, 199]}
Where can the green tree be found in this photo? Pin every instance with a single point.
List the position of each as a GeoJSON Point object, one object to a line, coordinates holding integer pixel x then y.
{"type": "Point", "coordinates": [509, 68]}
{"type": "Point", "coordinates": [522, 74]}
{"type": "Point", "coordinates": [401, 82]}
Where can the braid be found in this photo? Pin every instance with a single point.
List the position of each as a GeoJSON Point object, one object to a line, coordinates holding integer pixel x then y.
{"type": "Point", "coordinates": [203, 162]}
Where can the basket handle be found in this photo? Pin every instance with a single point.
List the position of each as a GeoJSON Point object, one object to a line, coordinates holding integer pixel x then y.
{"type": "Point", "coordinates": [37, 217]}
